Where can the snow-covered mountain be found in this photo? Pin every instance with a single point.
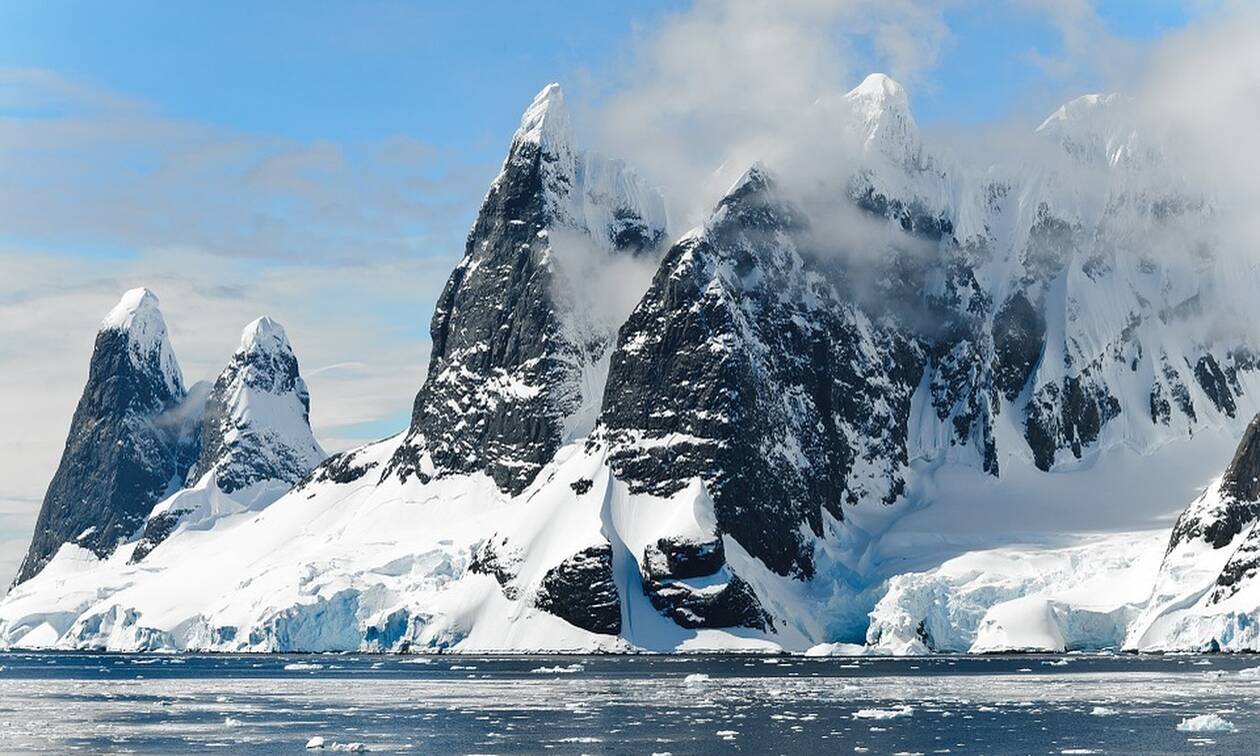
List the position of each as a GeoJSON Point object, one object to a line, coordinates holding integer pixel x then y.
{"type": "Point", "coordinates": [255, 439]}
{"type": "Point", "coordinates": [882, 409]}
{"type": "Point", "coordinates": [129, 441]}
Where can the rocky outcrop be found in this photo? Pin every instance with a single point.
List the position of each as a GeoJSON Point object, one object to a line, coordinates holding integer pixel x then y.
{"type": "Point", "coordinates": [687, 580]}
{"type": "Point", "coordinates": [581, 591]}
{"type": "Point", "coordinates": [255, 437]}
{"type": "Point", "coordinates": [509, 352]}
{"type": "Point", "coordinates": [1219, 519]}
{"type": "Point", "coordinates": [741, 366]}
{"type": "Point", "coordinates": [257, 418]}
{"type": "Point", "coordinates": [128, 445]}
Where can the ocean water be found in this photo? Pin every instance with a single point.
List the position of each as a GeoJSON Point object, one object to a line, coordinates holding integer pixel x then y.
{"type": "Point", "coordinates": [628, 704]}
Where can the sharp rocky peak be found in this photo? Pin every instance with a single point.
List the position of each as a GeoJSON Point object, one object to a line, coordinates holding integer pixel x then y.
{"type": "Point", "coordinates": [264, 335]}
{"type": "Point", "coordinates": [256, 424]}
{"type": "Point", "coordinates": [882, 89]}
{"type": "Point", "coordinates": [125, 449]}
{"type": "Point", "coordinates": [546, 121]}
{"type": "Point", "coordinates": [881, 113]}
{"type": "Point", "coordinates": [139, 319]}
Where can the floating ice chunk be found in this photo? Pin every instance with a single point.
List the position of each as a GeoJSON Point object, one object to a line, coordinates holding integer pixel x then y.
{"type": "Point", "coordinates": [696, 678]}
{"type": "Point", "coordinates": [299, 666]}
{"type": "Point", "coordinates": [314, 743]}
{"type": "Point", "coordinates": [727, 734]}
{"type": "Point", "coordinates": [1102, 711]}
{"type": "Point", "coordinates": [558, 670]}
{"type": "Point", "coordinates": [231, 722]}
{"type": "Point", "coordinates": [580, 739]}
{"type": "Point", "coordinates": [1206, 723]}
{"type": "Point", "coordinates": [838, 649]}
{"type": "Point", "coordinates": [897, 711]}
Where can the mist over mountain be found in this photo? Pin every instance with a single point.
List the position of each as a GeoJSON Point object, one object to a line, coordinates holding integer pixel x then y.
{"type": "Point", "coordinates": [636, 434]}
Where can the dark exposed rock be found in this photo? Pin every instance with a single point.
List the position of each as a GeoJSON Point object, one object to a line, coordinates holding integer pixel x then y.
{"type": "Point", "coordinates": [1019, 332]}
{"type": "Point", "coordinates": [1242, 567]}
{"type": "Point", "coordinates": [581, 486]}
{"type": "Point", "coordinates": [1069, 415]}
{"type": "Point", "coordinates": [671, 562]}
{"type": "Point", "coordinates": [124, 449]}
{"type": "Point", "coordinates": [682, 558]}
{"type": "Point", "coordinates": [341, 468]}
{"type": "Point", "coordinates": [1239, 503]}
{"type": "Point", "coordinates": [733, 604]}
{"type": "Point", "coordinates": [1215, 384]}
{"type": "Point", "coordinates": [1051, 241]}
{"type": "Point", "coordinates": [242, 449]}
{"type": "Point", "coordinates": [761, 379]}
{"type": "Point", "coordinates": [1242, 477]}
{"type": "Point", "coordinates": [581, 591]}
{"type": "Point", "coordinates": [156, 530]}
{"type": "Point", "coordinates": [504, 372]}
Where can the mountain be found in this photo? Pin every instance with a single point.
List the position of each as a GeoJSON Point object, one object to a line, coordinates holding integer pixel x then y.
{"type": "Point", "coordinates": [1206, 595]}
{"type": "Point", "coordinates": [255, 439]}
{"type": "Point", "coordinates": [128, 443]}
{"type": "Point", "coordinates": [515, 365]}
{"type": "Point", "coordinates": [894, 408]}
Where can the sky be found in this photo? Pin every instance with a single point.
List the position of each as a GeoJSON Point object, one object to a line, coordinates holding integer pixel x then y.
{"type": "Point", "coordinates": [321, 162]}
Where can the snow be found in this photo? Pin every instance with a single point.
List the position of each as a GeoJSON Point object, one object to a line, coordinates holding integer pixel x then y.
{"type": "Point", "coordinates": [546, 120]}
{"type": "Point", "coordinates": [138, 316]}
{"type": "Point", "coordinates": [964, 562]}
{"type": "Point", "coordinates": [264, 335]}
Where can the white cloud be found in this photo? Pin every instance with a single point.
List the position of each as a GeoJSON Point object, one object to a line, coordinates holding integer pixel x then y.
{"type": "Point", "coordinates": [728, 83]}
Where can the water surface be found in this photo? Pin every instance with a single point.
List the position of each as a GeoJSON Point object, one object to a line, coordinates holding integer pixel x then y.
{"type": "Point", "coordinates": [626, 704]}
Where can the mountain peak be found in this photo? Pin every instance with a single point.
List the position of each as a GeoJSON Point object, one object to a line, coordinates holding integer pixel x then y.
{"type": "Point", "coordinates": [138, 317]}
{"type": "Point", "coordinates": [883, 119]}
{"type": "Point", "coordinates": [137, 305]}
{"type": "Point", "coordinates": [263, 334]}
{"type": "Point", "coordinates": [881, 88]}
{"type": "Point", "coordinates": [546, 120]}
{"type": "Point", "coordinates": [1089, 110]}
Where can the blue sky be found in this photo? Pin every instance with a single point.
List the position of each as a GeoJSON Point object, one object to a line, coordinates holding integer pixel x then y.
{"type": "Point", "coordinates": [454, 74]}
{"type": "Point", "coordinates": [321, 162]}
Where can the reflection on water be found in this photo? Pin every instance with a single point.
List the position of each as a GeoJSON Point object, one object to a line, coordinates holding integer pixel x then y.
{"type": "Point", "coordinates": [636, 704]}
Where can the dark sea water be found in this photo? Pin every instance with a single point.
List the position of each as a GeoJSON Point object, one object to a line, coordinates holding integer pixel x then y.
{"type": "Point", "coordinates": [637, 705]}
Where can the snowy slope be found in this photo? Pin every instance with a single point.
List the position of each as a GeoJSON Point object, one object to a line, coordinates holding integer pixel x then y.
{"type": "Point", "coordinates": [940, 407]}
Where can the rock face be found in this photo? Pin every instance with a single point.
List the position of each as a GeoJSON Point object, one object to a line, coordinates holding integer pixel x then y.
{"type": "Point", "coordinates": [127, 448]}
{"type": "Point", "coordinates": [786, 380]}
{"type": "Point", "coordinates": [509, 352]}
{"type": "Point", "coordinates": [1217, 520]}
{"type": "Point", "coordinates": [257, 419]}
{"type": "Point", "coordinates": [687, 581]}
{"type": "Point", "coordinates": [743, 367]}
{"type": "Point", "coordinates": [255, 436]}
{"type": "Point", "coordinates": [581, 591]}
